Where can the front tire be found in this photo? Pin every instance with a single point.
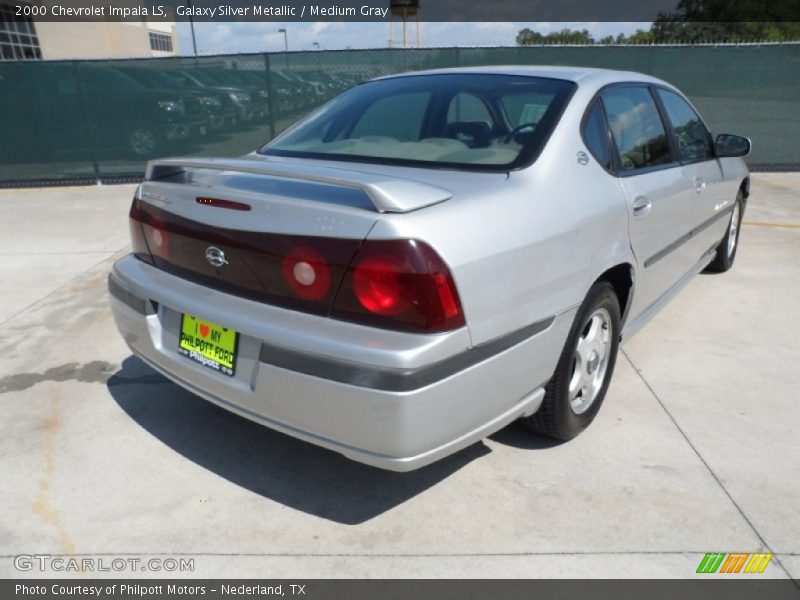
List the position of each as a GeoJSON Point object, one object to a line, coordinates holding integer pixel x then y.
{"type": "Point", "coordinates": [578, 387]}
{"type": "Point", "coordinates": [726, 251]}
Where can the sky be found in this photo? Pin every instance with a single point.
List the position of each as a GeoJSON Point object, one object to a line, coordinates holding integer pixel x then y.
{"type": "Point", "coordinates": [233, 37]}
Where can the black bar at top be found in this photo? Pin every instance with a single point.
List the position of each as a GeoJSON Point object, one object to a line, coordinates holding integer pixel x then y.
{"type": "Point", "coordinates": [429, 10]}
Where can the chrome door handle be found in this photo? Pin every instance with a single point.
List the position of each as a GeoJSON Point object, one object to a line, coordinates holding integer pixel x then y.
{"type": "Point", "coordinates": [641, 206]}
{"type": "Point", "coordinates": [699, 185]}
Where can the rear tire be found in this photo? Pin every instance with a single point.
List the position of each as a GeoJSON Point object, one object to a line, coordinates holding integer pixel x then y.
{"type": "Point", "coordinates": [578, 387]}
{"type": "Point", "coordinates": [726, 251]}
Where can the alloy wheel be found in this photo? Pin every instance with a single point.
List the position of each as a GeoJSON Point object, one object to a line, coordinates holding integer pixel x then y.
{"type": "Point", "coordinates": [143, 141]}
{"type": "Point", "coordinates": [733, 230]}
{"type": "Point", "coordinates": [590, 361]}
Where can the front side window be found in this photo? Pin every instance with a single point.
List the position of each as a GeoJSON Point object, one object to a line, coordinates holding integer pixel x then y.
{"type": "Point", "coordinates": [694, 140]}
{"type": "Point", "coordinates": [456, 120]}
{"type": "Point", "coordinates": [636, 127]}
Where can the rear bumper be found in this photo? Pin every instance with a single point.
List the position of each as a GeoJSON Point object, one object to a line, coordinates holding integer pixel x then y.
{"type": "Point", "coordinates": [391, 400]}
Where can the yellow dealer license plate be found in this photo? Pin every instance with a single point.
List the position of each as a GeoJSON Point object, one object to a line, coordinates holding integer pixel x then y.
{"type": "Point", "coordinates": [209, 344]}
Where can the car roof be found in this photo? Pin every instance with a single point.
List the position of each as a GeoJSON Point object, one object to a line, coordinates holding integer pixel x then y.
{"type": "Point", "coordinates": [584, 75]}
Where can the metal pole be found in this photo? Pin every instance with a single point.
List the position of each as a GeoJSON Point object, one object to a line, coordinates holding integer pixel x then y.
{"type": "Point", "coordinates": [90, 128]}
{"type": "Point", "coordinates": [285, 47]}
{"type": "Point", "coordinates": [191, 26]}
{"type": "Point", "coordinates": [270, 96]}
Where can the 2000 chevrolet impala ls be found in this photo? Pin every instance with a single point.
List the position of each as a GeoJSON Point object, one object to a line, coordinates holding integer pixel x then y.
{"type": "Point", "coordinates": [430, 256]}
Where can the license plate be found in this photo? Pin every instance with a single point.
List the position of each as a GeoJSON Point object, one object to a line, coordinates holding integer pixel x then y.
{"type": "Point", "coordinates": [209, 344]}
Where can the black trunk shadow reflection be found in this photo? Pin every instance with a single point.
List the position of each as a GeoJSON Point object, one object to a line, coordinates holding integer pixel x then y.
{"type": "Point", "coordinates": [276, 466]}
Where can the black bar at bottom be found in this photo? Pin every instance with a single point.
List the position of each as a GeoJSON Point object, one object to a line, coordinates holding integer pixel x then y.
{"type": "Point", "coordinates": [705, 586]}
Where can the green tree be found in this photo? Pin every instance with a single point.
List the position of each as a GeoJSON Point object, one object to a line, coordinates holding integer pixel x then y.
{"type": "Point", "coordinates": [725, 21]}
{"type": "Point", "coordinates": [640, 37]}
{"type": "Point", "coordinates": [528, 37]}
{"type": "Point", "coordinates": [570, 36]}
{"type": "Point", "coordinates": [698, 21]}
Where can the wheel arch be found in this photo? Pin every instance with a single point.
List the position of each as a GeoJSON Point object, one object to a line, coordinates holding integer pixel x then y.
{"type": "Point", "coordinates": [621, 277]}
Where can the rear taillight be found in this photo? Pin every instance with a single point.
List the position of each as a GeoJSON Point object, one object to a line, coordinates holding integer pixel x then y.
{"type": "Point", "coordinates": [399, 284]}
{"type": "Point", "coordinates": [157, 236]}
{"type": "Point", "coordinates": [149, 233]}
{"type": "Point", "coordinates": [138, 242]}
{"type": "Point", "coordinates": [393, 284]}
{"type": "Point", "coordinates": [307, 273]}
{"type": "Point", "coordinates": [151, 237]}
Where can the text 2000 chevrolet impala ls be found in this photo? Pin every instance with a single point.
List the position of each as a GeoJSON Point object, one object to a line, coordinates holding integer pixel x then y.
{"type": "Point", "coordinates": [430, 256]}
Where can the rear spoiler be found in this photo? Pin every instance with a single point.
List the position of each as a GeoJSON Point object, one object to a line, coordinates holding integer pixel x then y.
{"type": "Point", "coordinates": [388, 194]}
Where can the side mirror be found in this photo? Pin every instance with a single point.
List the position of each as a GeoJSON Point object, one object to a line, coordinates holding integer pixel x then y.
{"type": "Point", "coordinates": [728, 144]}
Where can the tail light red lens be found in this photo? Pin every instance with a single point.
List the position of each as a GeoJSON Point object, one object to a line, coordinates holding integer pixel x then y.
{"type": "Point", "coordinates": [138, 243]}
{"type": "Point", "coordinates": [447, 295]}
{"type": "Point", "coordinates": [149, 233]}
{"type": "Point", "coordinates": [399, 284]}
{"type": "Point", "coordinates": [378, 285]}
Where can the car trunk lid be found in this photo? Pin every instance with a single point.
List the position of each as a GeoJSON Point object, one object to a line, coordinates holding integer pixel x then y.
{"type": "Point", "coordinates": [282, 234]}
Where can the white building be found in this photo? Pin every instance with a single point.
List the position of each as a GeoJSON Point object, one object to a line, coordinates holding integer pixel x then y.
{"type": "Point", "coordinates": [26, 38]}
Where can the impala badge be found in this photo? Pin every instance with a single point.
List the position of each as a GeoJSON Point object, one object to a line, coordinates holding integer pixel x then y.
{"type": "Point", "coordinates": [155, 196]}
{"type": "Point", "coordinates": [216, 256]}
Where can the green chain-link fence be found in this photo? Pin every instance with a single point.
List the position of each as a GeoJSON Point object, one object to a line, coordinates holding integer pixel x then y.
{"type": "Point", "coordinates": [81, 121]}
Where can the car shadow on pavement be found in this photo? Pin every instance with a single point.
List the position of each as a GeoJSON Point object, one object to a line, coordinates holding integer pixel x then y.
{"type": "Point", "coordinates": [517, 435]}
{"type": "Point", "coordinates": [276, 466]}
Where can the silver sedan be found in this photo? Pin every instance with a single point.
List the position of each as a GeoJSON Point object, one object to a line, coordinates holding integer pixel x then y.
{"type": "Point", "coordinates": [430, 256]}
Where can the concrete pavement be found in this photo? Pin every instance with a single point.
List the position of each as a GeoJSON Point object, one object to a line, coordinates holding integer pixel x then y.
{"type": "Point", "coordinates": [695, 450]}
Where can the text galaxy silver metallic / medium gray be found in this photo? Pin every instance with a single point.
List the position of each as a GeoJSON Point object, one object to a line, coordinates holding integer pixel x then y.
{"type": "Point", "coordinates": [430, 256]}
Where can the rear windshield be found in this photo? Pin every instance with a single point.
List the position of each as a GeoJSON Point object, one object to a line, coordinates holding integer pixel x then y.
{"type": "Point", "coordinates": [476, 121]}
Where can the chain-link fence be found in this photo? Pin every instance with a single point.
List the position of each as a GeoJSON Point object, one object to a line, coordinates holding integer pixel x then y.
{"type": "Point", "coordinates": [81, 121]}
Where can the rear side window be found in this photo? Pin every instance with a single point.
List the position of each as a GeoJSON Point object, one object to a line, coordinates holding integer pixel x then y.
{"type": "Point", "coordinates": [636, 127]}
{"type": "Point", "coordinates": [694, 140]}
{"type": "Point", "coordinates": [595, 135]}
